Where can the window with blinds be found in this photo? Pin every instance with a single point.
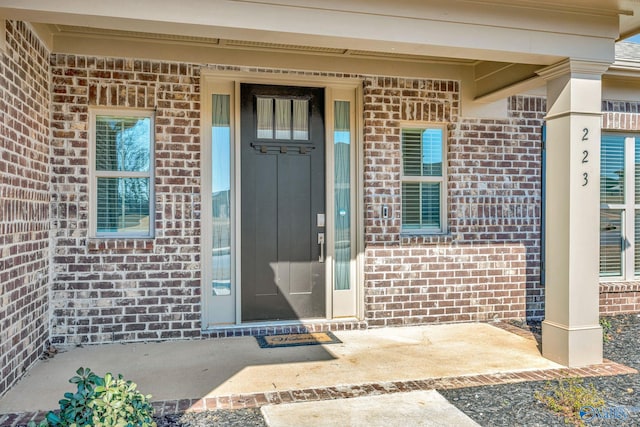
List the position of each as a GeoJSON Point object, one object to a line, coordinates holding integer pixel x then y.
{"type": "Point", "coordinates": [122, 175]}
{"type": "Point", "coordinates": [619, 208]}
{"type": "Point", "coordinates": [423, 179]}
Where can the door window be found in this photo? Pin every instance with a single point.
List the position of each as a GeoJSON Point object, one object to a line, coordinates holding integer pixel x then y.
{"type": "Point", "coordinates": [282, 118]}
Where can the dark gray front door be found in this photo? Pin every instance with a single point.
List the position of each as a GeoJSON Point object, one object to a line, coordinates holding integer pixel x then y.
{"type": "Point", "coordinates": [283, 180]}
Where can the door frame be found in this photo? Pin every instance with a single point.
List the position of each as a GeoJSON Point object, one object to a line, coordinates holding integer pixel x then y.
{"type": "Point", "coordinates": [222, 311]}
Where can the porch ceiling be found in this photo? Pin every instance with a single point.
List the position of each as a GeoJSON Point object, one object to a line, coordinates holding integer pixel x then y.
{"type": "Point", "coordinates": [62, 33]}
{"type": "Point", "coordinates": [64, 37]}
{"type": "Point", "coordinates": [490, 78]}
{"type": "Point", "coordinates": [500, 43]}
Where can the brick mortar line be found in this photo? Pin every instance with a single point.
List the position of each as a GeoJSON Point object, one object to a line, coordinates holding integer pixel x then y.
{"type": "Point", "coordinates": [256, 400]}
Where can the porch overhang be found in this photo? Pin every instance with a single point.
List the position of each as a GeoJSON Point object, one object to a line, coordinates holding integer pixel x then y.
{"type": "Point", "coordinates": [506, 31]}
{"type": "Point", "coordinates": [495, 47]}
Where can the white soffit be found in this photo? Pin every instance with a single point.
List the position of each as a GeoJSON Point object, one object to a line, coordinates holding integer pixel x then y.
{"type": "Point", "coordinates": [84, 32]}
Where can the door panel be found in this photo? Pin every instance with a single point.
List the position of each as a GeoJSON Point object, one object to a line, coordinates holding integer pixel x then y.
{"type": "Point", "coordinates": [282, 193]}
{"type": "Point", "coordinates": [261, 232]}
{"type": "Point", "coordinates": [294, 224]}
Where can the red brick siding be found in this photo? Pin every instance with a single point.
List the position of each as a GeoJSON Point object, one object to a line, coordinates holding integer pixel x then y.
{"type": "Point", "coordinates": [488, 266]}
{"type": "Point", "coordinates": [444, 283]}
{"type": "Point", "coordinates": [103, 289]}
{"type": "Point", "coordinates": [496, 186]}
{"type": "Point", "coordinates": [619, 297]}
{"type": "Point", "coordinates": [24, 202]}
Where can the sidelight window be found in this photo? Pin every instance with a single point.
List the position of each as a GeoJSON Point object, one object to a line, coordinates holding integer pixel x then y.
{"type": "Point", "coordinates": [342, 177]}
{"type": "Point", "coordinates": [221, 194]}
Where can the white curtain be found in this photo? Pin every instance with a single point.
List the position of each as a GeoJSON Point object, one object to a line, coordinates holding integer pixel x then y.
{"type": "Point", "coordinates": [300, 119]}
{"type": "Point", "coordinates": [283, 119]}
{"type": "Point", "coordinates": [265, 118]}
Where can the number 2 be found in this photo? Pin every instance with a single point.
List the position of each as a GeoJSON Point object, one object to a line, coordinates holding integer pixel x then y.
{"type": "Point", "coordinates": [585, 156]}
{"type": "Point", "coordinates": [585, 134]}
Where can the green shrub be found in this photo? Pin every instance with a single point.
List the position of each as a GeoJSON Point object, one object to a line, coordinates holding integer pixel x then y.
{"type": "Point", "coordinates": [568, 397]}
{"type": "Point", "coordinates": [606, 329]}
{"type": "Point", "coordinates": [98, 401]}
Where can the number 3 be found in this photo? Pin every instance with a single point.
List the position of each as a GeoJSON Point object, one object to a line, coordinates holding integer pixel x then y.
{"type": "Point", "coordinates": [585, 177]}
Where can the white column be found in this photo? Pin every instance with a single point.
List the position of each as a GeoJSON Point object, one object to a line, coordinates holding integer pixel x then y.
{"type": "Point", "coordinates": [571, 332]}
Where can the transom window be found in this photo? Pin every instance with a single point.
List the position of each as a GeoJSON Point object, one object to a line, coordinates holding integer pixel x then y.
{"type": "Point", "coordinates": [619, 206]}
{"type": "Point", "coordinates": [424, 179]}
{"type": "Point", "coordinates": [122, 153]}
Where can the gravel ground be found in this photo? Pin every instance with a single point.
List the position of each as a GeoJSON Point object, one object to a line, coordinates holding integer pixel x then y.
{"type": "Point", "coordinates": [515, 404]}
{"type": "Point", "coordinates": [502, 405]}
{"type": "Point", "coordinates": [239, 417]}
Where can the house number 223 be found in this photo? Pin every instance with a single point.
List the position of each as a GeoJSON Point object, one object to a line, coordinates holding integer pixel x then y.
{"type": "Point", "coordinates": [585, 156]}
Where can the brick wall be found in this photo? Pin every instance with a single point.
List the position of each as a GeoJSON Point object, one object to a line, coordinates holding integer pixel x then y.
{"type": "Point", "coordinates": [488, 266]}
{"type": "Point", "coordinates": [126, 290]}
{"type": "Point", "coordinates": [621, 297]}
{"type": "Point", "coordinates": [24, 202]}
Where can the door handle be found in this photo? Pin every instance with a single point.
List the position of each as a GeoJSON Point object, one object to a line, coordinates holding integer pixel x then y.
{"type": "Point", "coordinates": [321, 243]}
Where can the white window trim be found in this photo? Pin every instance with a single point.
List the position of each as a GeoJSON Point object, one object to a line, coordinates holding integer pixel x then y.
{"type": "Point", "coordinates": [444, 195]}
{"type": "Point", "coordinates": [94, 174]}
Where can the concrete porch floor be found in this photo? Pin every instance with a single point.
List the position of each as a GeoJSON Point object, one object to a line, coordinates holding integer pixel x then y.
{"type": "Point", "coordinates": [230, 366]}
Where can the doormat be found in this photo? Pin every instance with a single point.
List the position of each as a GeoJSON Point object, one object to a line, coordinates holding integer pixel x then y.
{"type": "Point", "coordinates": [292, 340]}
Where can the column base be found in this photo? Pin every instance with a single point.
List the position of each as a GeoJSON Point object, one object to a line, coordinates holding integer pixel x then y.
{"type": "Point", "coordinates": [572, 347]}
